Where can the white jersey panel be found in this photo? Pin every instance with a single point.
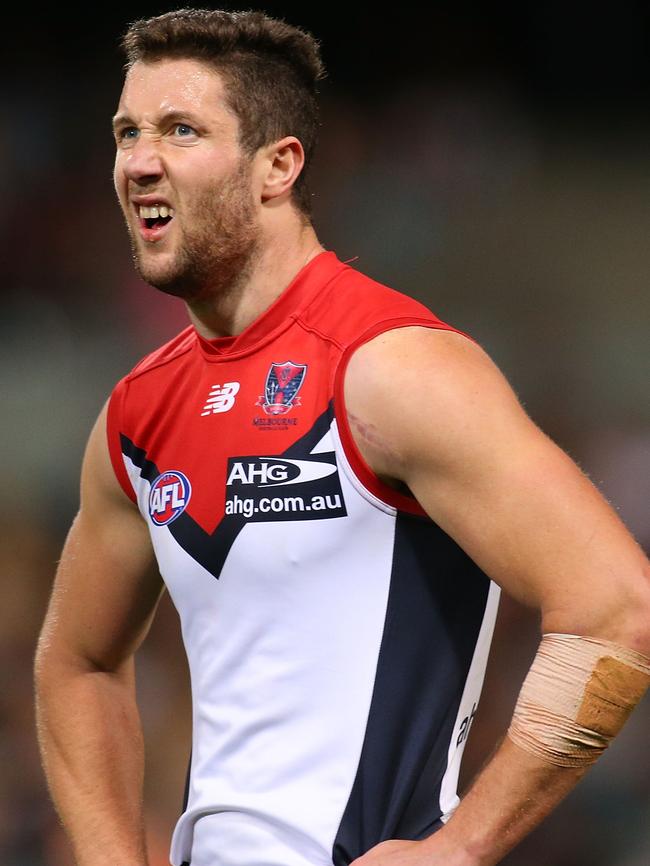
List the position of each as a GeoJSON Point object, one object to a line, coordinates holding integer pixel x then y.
{"type": "Point", "coordinates": [449, 799]}
{"type": "Point", "coordinates": [282, 649]}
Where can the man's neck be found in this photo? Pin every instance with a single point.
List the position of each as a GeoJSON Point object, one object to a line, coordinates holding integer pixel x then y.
{"type": "Point", "coordinates": [270, 271]}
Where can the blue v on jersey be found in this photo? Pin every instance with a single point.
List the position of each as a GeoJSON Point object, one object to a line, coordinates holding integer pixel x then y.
{"type": "Point", "coordinates": [337, 638]}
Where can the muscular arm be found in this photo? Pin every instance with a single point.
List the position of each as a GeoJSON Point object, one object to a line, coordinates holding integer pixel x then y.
{"type": "Point", "coordinates": [457, 436]}
{"type": "Point", "coordinates": [102, 604]}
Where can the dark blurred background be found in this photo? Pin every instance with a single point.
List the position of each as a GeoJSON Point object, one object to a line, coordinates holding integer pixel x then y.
{"type": "Point", "coordinates": [494, 164]}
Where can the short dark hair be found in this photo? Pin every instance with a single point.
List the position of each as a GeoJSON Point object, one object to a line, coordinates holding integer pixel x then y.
{"type": "Point", "coordinates": [270, 69]}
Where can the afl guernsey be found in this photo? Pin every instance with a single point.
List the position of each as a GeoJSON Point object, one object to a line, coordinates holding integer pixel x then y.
{"type": "Point", "coordinates": [337, 638]}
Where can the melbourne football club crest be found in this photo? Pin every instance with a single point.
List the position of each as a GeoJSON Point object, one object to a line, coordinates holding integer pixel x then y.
{"type": "Point", "coordinates": [169, 495]}
{"type": "Point", "coordinates": [283, 382]}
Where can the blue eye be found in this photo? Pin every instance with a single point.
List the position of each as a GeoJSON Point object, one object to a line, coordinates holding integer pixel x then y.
{"type": "Point", "coordinates": [129, 132]}
{"type": "Point", "coordinates": [183, 130]}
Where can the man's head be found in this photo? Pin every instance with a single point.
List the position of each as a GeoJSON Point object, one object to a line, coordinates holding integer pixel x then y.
{"type": "Point", "coordinates": [216, 121]}
{"type": "Point", "coordinates": [270, 70]}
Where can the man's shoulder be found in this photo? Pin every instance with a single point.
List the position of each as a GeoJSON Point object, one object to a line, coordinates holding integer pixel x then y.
{"type": "Point", "coordinates": [171, 351]}
{"type": "Point", "coordinates": [141, 390]}
{"type": "Point", "coordinates": [354, 303]}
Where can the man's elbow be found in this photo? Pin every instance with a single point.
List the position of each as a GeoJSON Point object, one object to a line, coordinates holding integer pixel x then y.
{"type": "Point", "coordinates": [57, 661]}
{"type": "Point", "coordinates": [630, 614]}
{"type": "Point", "coordinates": [53, 665]}
{"type": "Point", "coordinates": [618, 611]}
{"type": "Point", "coordinates": [637, 614]}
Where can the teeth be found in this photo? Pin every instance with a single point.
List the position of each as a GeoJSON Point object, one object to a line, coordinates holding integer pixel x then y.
{"type": "Point", "coordinates": [155, 211]}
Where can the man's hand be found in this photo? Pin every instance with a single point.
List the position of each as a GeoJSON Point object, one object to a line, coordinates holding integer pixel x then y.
{"type": "Point", "coordinates": [396, 852]}
{"type": "Point", "coordinates": [433, 851]}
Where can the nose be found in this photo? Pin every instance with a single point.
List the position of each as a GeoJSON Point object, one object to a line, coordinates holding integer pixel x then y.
{"type": "Point", "coordinates": [142, 163]}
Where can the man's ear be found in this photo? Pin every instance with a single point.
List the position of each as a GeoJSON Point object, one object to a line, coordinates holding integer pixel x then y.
{"type": "Point", "coordinates": [284, 160]}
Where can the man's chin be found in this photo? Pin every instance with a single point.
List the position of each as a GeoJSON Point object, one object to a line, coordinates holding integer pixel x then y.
{"type": "Point", "coordinates": [168, 280]}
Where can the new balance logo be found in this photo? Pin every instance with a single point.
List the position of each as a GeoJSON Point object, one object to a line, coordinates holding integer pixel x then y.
{"type": "Point", "coordinates": [221, 398]}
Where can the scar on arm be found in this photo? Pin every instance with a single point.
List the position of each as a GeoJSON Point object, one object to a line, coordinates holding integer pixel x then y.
{"type": "Point", "coordinates": [368, 434]}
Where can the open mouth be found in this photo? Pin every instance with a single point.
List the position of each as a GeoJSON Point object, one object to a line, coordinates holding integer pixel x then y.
{"type": "Point", "coordinates": [153, 219]}
{"type": "Point", "coordinates": [155, 222]}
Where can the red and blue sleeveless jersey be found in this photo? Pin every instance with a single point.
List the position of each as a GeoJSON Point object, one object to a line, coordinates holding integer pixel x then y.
{"type": "Point", "coordinates": [336, 637]}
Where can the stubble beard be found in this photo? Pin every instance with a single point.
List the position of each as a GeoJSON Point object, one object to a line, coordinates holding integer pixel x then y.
{"type": "Point", "coordinates": [218, 247]}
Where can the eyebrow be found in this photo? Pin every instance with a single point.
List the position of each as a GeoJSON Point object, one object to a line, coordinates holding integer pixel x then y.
{"type": "Point", "coordinates": [121, 120]}
{"type": "Point", "coordinates": [175, 116]}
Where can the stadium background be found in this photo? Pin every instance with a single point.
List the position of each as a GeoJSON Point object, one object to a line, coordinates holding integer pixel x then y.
{"type": "Point", "coordinates": [495, 165]}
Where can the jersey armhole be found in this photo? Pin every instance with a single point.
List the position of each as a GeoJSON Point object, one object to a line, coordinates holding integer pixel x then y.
{"type": "Point", "coordinates": [365, 475]}
{"type": "Point", "coordinates": [113, 434]}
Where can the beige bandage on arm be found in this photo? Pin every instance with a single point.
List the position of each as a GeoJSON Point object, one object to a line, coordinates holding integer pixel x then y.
{"type": "Point", "coordinates": [576, 697]}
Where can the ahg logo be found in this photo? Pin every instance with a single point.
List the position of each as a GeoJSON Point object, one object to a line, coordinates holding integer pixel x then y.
{"type": "Point", "coordinates": [256, 488]}
{"type": "Point", "coordinates": [221, 398]}
{"type": "Point", "coordinates": [273, 471]}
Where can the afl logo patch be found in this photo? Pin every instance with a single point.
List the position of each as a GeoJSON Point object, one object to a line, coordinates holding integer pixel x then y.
{"type": "Point", "coordinates": [170, 493]}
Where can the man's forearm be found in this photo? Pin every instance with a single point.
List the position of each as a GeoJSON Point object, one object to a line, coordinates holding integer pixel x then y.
{"type": "Point", "coordinates": [91, 745]}
{"type": "Point", "coordinates": [511, 796]}
{"type": "Point", "coordinates": [574, 700]}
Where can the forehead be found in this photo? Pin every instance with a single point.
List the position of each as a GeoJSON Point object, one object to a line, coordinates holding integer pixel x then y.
{"type": "Point", "coordinates": [162, 87]}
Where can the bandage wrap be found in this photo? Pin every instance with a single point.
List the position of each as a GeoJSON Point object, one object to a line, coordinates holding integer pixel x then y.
{"type": "Point", "coordinates": [576, 697]}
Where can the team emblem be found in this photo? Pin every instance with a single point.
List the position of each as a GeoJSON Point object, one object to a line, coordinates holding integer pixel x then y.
{"type": "Point", "coordinates": [169, 495]}
{"type": "Point", "coordinates": [283, 382]}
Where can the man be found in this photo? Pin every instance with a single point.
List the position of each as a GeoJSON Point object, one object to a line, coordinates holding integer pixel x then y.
{"type": "Point", "coordinates": [324, 474]}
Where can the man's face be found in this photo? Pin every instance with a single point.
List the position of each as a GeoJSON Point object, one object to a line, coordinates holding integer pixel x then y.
{"type": "Point", "coordinates": [181, 179]}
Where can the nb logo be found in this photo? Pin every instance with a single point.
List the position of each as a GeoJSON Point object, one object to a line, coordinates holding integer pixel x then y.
{"type": "Point", "coordinates": [221, 398]}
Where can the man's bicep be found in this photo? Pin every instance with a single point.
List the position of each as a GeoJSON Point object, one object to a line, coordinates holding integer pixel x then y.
{"type": "Point", "coordinates": [458, 437]}
{"type": "Point", "coordinates": [107, 584]}
{"type": "Point", "coordinates": [530, 518]}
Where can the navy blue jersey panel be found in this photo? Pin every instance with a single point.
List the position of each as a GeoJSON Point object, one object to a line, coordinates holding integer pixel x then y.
{"type": "Point", "coordinates": [436, 604]}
